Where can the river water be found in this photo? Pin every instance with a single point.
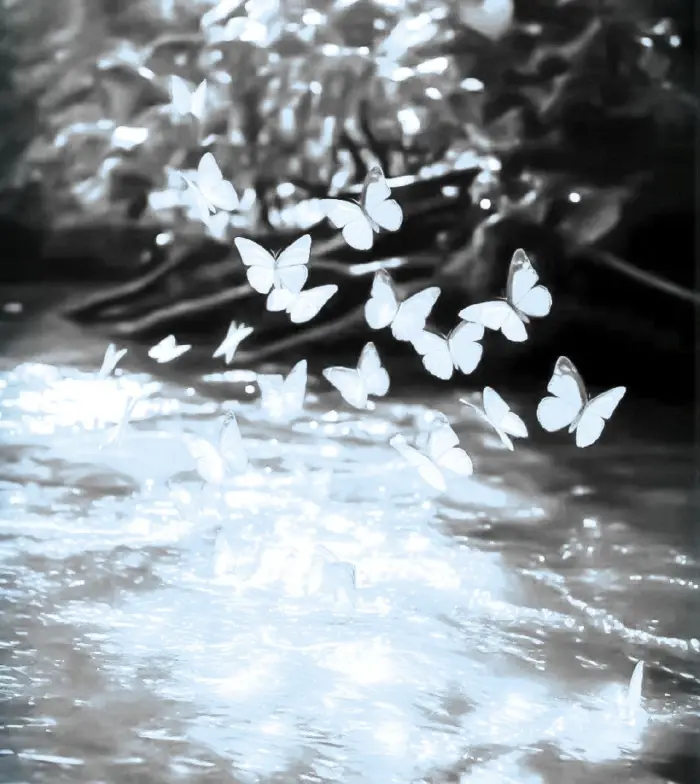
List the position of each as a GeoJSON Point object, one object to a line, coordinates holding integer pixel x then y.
{"type": "Point", "coordinates": [489, 637]}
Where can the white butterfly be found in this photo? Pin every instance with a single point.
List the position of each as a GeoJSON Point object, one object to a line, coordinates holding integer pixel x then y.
{"type": "Point", "coordinates": [498, 414]}
{"type": "Point", "coordinates": [211, 192]}
{"type": "Point", "coordinates": [524, 299]}
{"type": "Point", "coordinates": [236, 334]}
{"type": "Point", "coordinates": [370, 378]}
{"type": "Point", "coordinates": [117, 433]}
{"type": "Point", "coordinates": [302, 306]}
{"type": "Point", "coordinates": [283, 398]}
{"type": "Point", "coordinates": [110, 361]}
{"type": "Point", "coordinates": [460, 349]}
{"type": "Point", "coordinates": [186, 101]}
{"type": "Point", "coordinates": [569, 405]}
{"type": "Point", "coordinates": [375, 211]}
{"type": "Point", "coordinates": [330, 577]}
{"type": "Point", "coordinates": [167, 350]}
{"type": "Point", "coordinates": [407, 318]}
{"type": "Point", "coordinates": [442, 451]}
{"type": "Point", "coordinates": [288, 270]}
{"type": "Point", "coordinates": [215, 463]}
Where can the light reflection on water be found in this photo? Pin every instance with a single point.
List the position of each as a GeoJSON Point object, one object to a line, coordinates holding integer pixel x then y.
{"type": "Point", "coordinates": [489, 639]}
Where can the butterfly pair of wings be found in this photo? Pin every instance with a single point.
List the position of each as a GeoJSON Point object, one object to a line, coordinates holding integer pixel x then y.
{"type": "Point", "coordinates": [568, 405]}
{"type": "Point", "coordinates": [360, 221]}
{"type": "Point", "coordinates": [282, 397]}
{"type": "Point", "coordinates": [499, 415]}
{"type": "Point", "coordinates": [210, 190]}
{"type": "Point", "coordinates": [215, 462]}
{"type": "Point", "coordinates": [167, 350]}
{"type": "Point", "coordinates": [236, 334]}
{"type": "Point", "coordinates": [111, 359]}
{"type": "Point", "coordinates": [282, 278]}
{"type": "Point", "coordinates": [357, 384]}
{"type": "Point", "coordinates": [186, 101]}
{"type": "Point", "coordinates": [525, 298]}
{"type": "Point", "coordinates": [440, 451]}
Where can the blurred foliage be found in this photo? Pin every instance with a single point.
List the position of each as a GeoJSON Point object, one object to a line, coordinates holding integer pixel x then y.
{"type": "Point", "coordinates": [548, 112]}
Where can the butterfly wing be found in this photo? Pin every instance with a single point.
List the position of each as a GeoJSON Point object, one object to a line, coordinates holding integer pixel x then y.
{"type": "Point", "coordinates": [349, 383]}
{"type": "Point", "coordinates": [351, 219]}
{"type": "Point", "coordinates": [209, 463]}
{"type": "Point", "coordinates": [374, 377]}
{"type": "Point", "coordinates": [500, 415]}
{"type": "Point", "coordinates": [216, 190]}
{"type": "Point", "coordinates": [280, 299]}
{"type": "Point", "coordinates": [597, 411]}
{"type": "Point", "coordinates": [522, 289]}
{"type": "Point", "coordinates": [307, 305]}
{"type": "Point", "coordinates": [428, 471]}
{"type": "Point", "coordinates": [444, 450]}
{"type": "Point", "coordinates": [412, 314]}
{"type": "Point", "coordinates": [497, 315]}
{"type": "Point", "coordinates": [260, 264]}
{"type": "Point", "coordinates": [567, 399]}
{"type": "Point", "coordinates": [198, 101]}
{"type": "Point", "coordinates": [383, 304]}
{"type": "Point", "coordinates": [464, 346]}
{"type": "Point", "coordinates": [294, 386]}
{"type": "Point", "coordinates": [435, 353]}
{"type": "Point", "coordinates": [291, 264]}
{"type": "Point", "coordinates": [111, 359]}
{"type": "Point", "coordinates": [180, 95]}
{"type": "Point", "coordinates": [382, 209]}
{"type": "Point", "coordinates": [231, 445]}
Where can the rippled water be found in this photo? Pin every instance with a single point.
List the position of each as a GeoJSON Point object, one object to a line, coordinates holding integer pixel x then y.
{"type": "Point", "coordinates": [490, 638]}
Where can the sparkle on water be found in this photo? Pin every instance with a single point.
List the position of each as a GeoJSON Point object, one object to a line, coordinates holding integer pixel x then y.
{"type": "Point", "coordinates": [325, 616]}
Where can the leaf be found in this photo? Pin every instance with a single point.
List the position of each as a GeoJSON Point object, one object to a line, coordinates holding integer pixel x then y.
{"type": "Point", "coordinates": [595, 216]}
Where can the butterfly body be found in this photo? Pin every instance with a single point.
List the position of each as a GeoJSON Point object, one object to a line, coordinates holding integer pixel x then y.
{"type": "Point", "coordinates": [356, 385]}
{"type": "Point", "coordinates": [569, 406]}
{"type": "Point", "coordinates": [525, 299]}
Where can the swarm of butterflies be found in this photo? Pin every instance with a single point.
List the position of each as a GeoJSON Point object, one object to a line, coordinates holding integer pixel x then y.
{"type": "Point", "coordinates": [282, 278]}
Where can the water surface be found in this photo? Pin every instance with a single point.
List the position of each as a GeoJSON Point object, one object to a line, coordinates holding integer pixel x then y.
{"type": "Point", "coordinates": [490, 637]}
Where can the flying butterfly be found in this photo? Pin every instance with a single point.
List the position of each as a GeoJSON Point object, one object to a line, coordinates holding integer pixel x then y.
{"type": "Point", "coordinates": [460, 350]}
{"type": "Point", "coordinates": [375, 211]}
{"type": "Point", "coordinates": [287, 270]}
{"type": "Point", "coordinates": [525, 299]}
{"type": "Point", "coordinates": [209, 189]}
{"type": "Point", "coordinates": [283, 398]}
{"type": "Point", "coordinates": [111, 359]}
{"type": "Point", "coordinates": [302, 306]}
{"type": "Point", "coordinates": [406, 319]}
{"type": "Point", "coordinates": [356, 385]}
{"type": "Point", "coordinates": [442, 451]}
{"type": "Point", "coordinates": [167, 350]}
{"type": "Point", "coordinates": [215, 463]}
{"type": "Point", "coordinates": [236, 334]}
{"type": "Point", "coordinates": [186, 101]}
{"type": "Point", "coordinates": [568, 405]}
{"type": "Point", "coordinates": [499, 415]}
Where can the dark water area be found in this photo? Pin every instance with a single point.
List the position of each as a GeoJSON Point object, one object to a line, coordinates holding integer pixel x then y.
{"type": "Point", "coordinates": [489, 637]}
